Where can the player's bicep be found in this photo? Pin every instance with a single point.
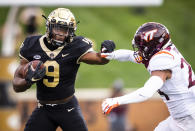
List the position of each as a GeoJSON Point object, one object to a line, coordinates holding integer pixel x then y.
{"type": "Point", "coordinates": [19, 70]}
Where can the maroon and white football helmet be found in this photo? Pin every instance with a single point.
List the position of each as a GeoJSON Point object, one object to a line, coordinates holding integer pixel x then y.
{"type": "Point", "coordinates": [149, 39]}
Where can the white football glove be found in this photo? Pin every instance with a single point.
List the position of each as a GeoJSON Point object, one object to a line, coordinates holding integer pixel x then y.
{"type": "Point", "coordinates": [108, 104]}
{"type": "Point", "coordinates": [108, 56]}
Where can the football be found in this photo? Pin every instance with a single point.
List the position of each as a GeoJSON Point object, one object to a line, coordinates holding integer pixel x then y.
{"type": "Point", "coordinates": [33, 66]}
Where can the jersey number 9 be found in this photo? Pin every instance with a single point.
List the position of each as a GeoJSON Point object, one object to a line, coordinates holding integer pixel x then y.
{"type": "Point", "coordinates": [52, 70]}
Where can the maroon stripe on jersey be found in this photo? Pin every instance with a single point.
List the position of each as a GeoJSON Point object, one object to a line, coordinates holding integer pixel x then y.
{"type": "Point", "coordinates": [191, 83]}
{"type": "Point", "coordinates": [168, 48]}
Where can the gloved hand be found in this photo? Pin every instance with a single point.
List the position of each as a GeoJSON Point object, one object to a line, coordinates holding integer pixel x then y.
{"type": "Point", "coordinates": [107, 46]}
{"type": "Point", "coordinates": [32, 75]}
{"type": "Point", "coordinates": [108, 104]}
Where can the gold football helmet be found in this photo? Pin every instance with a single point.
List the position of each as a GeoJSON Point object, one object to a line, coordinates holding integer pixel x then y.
{"type": "Point", "coordinates": [61, 25]}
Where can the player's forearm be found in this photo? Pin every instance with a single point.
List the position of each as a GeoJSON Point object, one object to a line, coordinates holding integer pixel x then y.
{"type": "Point", "coordinates": [93, 58]}
{"type": "Point", "coordinates": [142, 94]}
{"type": "Point", "coordinates": [134, 97]}
{"type": "Point", "coordinates": [124, 55]}
{"type": "Point", "coordinates": [120, 55]}
{"type": "Point", "coordinates": [20, 84]}
{"type": "Point", "coordinates": [100, 60]}
{"type": "Point", "coordinates": [97, 62]}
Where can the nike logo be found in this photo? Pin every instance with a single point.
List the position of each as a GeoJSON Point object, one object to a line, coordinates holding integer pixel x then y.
{"type": "Point", "coordinates": [63, 55]}
{"type": "Point", "coordinates": [33, 79]}
{"type": "Point", "coordinates": [69, 110]}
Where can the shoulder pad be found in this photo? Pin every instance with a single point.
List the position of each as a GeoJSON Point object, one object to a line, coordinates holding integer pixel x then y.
{"type": "Point", "coordinates": [80, 42]}
{"type": "Point", "coordinates": [30, 41]}
{"type": "Point", "coordinates": [78, 37]}
{"type": "Point", "coordinates": [162, 60]}
{"type": "Point", "coordinates": [27, 45]}
{"type": "Point", "coordinates": [83, 39]}
{"type": "Point", "coordinates": [87, 40]}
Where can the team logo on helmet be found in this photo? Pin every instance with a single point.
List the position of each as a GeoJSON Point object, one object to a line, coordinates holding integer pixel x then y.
{"type": "Point", "coordinates": [149, 35]}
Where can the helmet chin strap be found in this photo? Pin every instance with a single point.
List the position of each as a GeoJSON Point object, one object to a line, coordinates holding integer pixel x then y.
{"type": "Point", "coordinates": [57, 43]}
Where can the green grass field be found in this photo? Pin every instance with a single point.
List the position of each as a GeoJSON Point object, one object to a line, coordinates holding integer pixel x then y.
{"type": "Point", "coordinates": [119, 24]}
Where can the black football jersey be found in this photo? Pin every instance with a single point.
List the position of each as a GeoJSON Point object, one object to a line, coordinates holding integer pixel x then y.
{"type": "Point", "coordinates": [61, 65]}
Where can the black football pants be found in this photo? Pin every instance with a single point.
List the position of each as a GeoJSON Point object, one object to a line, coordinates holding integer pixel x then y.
{"type": "Point", "coordinates": [47, 118]}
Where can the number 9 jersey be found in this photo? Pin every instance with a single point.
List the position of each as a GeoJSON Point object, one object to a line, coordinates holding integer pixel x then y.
{"type": "Point", "coordinates": [61, 65]}
{"type": "Point", "coordinates": [177, 92]}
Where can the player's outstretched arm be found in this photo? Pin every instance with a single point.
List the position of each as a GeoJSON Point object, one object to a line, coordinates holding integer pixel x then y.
{"type": "Point", "coordinates": [107, 46]}
{"type": "Point", "coordinates": [154, 83]}
{"type": "Point", "coordinates": [121, 55]}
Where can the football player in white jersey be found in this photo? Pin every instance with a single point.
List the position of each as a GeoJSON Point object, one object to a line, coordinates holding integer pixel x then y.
{"type": "Point", "coordinates": [171, 76]}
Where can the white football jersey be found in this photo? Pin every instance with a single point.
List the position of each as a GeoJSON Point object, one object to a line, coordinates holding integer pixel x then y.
{"type": "Point", "coordinates": [176, 92]}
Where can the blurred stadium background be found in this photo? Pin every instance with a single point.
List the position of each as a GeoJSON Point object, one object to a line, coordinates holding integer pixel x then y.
{"type": "Point", "coordinates": [98, 22]}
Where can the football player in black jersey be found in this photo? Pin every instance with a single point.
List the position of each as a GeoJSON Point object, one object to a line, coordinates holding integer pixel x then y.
{"type": "Point", "coordinates": [61, 51]}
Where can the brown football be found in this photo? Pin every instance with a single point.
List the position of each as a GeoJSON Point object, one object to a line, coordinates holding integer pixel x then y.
{"type": "Point", "coordinates": [33, 66]}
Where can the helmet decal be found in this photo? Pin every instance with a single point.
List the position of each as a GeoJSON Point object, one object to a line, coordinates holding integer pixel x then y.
{"type": "Point", "coordinates": [149, 35]}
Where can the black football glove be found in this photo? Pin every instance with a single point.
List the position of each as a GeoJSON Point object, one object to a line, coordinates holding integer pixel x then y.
{"type": "Point", "coordinates": [34, 76]}
{"type": "Point", "coordinates": [107, 46]}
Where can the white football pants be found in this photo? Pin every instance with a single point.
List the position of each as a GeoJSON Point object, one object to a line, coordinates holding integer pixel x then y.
{"type": "Point", "coordinates": [180, 124]}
